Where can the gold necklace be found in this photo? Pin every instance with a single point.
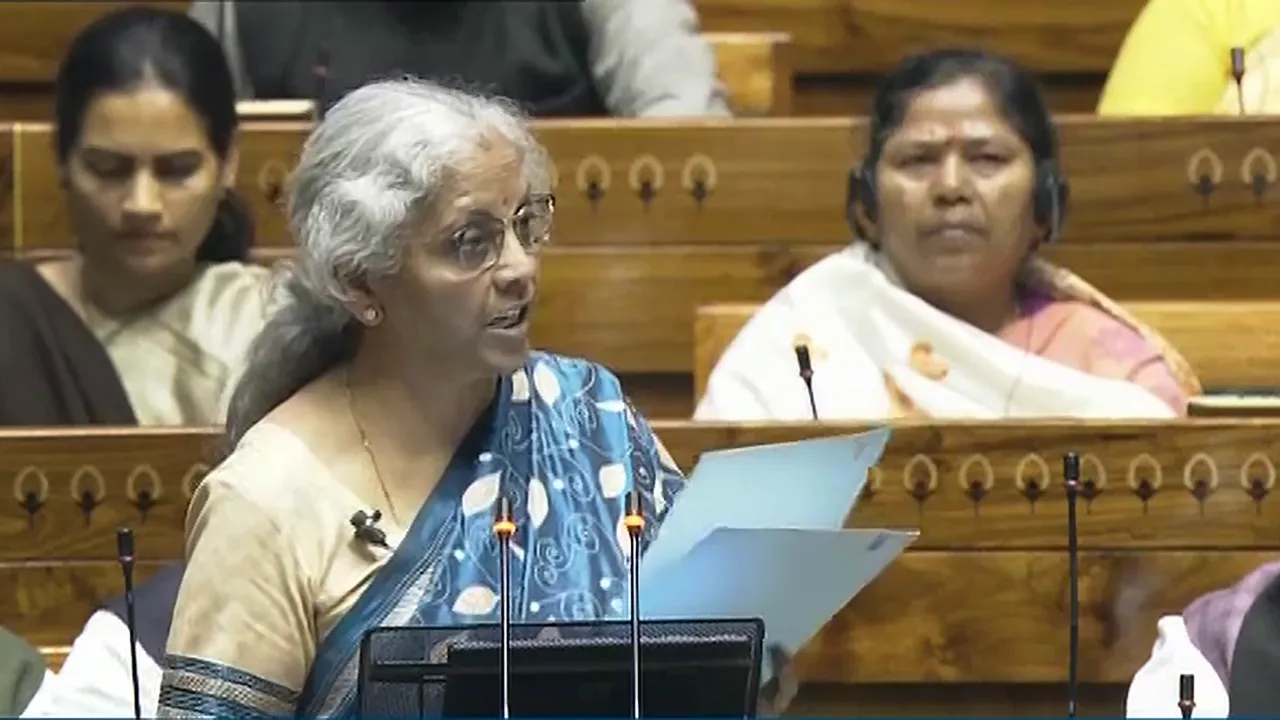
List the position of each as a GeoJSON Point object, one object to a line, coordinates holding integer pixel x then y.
{"type": "Point", "coordinates": [368, 451]}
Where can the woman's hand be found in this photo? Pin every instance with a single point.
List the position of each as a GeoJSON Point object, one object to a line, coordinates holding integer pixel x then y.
{"type": "Point", "coordinates": [780, 690]}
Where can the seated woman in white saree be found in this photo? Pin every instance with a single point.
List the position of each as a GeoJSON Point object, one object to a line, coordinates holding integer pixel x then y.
{"type": "Point", "coordinates": [399, 378]}
{"type": "Point", "coordinates": [942, 308]}
{"type": "Point", "coordinates": [149, 321]}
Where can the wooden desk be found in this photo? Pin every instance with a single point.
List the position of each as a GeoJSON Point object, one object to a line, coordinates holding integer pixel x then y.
{"type": "Point", "coordinates": [623, 279]}
{"type": "Point", "coordinates": [979, 599]}
{"type": "Point", "coordinates": [1229, 344]}
{"type": "Point", "coordinates": [1235, 406]}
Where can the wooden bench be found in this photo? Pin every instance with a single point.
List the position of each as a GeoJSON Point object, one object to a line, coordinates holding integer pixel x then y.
{"type": "Point", "coordinates": [755, 68]}
{"type": "Point", "coordinates": [34, 36]}
{"type": "Point", "coordinates": [841, 46]}
{"type": "Point", "coordinates": [1230, 344]}
{"type": "Point", "coordinates": [974, 614]}
{"type": "Point", "coordinates": [739, 208]}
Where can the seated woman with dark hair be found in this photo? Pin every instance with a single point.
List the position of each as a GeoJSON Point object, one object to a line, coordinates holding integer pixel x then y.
{"type": "Point", "coordinates": [148, 322]}
{"type": "Point", "coordinates": [944, 308]}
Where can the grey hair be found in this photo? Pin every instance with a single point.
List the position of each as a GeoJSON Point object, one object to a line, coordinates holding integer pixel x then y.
{"type": "Point", "coordinates": [379, 158]}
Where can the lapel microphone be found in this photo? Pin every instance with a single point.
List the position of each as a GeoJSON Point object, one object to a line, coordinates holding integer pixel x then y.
{"type": "Point", "coordinates": [125, 555]}
{"type": "Point", "coordinates": [805, 363]}
{"type": "Point", "coordinates": [634, 521]}
{"type": "Point", "coordinates": [504, 527]}
{"type": "Point", "coordinates": [1071, 481]}
{"type": "Point", "coordinates": [367, 530]}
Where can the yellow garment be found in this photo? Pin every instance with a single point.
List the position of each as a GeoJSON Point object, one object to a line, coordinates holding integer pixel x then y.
{"type": "Point", "coordinates": [1176, 60]}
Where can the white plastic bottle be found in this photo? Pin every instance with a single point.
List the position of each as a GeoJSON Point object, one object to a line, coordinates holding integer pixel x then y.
{"type": "Point", "coordinates": [1154, 690]}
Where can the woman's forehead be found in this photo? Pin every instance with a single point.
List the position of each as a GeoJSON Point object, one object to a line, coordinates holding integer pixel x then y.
{"type": "Point", "coordinates": [146, 121]}
{"type": "Point", "coordinates": [492, 178]}
{"type": "Point", "coordinates": [963, 110]}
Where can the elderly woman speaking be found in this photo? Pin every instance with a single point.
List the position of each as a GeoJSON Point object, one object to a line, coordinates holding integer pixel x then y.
{"type": "Point", "coordinates": [400, 378]}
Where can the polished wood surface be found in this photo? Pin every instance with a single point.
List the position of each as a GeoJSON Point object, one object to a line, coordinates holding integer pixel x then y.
{"type": "Point", "coordinates": [34, 35]}
{"type": "Point", "coordinates": [1176, 510]}
{"type": "Point", "coordinates": [1229, 343]}
{"type": "Point", "coordinates": [1235, 406]}
{"type": "Point", "coordinates": [871, 36]}
{"type": "Point", "coordinates": [755, 69]}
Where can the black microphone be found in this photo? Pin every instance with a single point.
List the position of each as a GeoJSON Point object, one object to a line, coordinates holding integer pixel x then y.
{"type": "Point", "coordinates": [124, 552]}
{"type": "Point", "coordinates": [1186, 695]}
{"type": "Point", "coordinates": [634, 520]}
{"type": "Point", "coordinates": [1071, 481]}
{"type": "Point", "coordinates": [504, 527]}
{"type": "Point", "coordinates": [366, 528]}
{"type": "Point", "coordinates": [321, 72]}
{"type": "Point", "coordinates": [1237, 74]}
{"type": "Point", "coordinates": [806, 374]}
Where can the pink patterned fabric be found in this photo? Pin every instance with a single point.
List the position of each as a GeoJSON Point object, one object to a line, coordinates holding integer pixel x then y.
{"type": "Point", "coordinates": [1214, 619]}
{"type": "Point", "coordinates": [1084, 337]}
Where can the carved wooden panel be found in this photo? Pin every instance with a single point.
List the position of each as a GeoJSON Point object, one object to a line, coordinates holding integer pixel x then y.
{"type": "Point", "coordinates": [965, 485]}
{"type": "Point", "coordinates": [1170, 511]}
{"type": "Point", "coordinates": [766, 183]}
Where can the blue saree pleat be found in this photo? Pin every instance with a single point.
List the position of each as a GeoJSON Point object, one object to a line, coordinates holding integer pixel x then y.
{"type": "Point", "coordinates": [564, 445]}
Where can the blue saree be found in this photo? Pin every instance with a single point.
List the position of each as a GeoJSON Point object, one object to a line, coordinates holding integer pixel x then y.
{"type": "Point", "coordinates": [563, 443]}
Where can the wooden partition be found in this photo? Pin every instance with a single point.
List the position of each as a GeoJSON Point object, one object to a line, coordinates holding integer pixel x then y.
{"type": "Point", "coordinates": [841, 46]}
{"type": "Point", "coordinates": [971, 621]}
{"type": "Point", "coordinates": [1231, 344]}
{"type": "Point", "coordinates": [655, 219]}
{"type": "Point", "coordinates": [34, 36]}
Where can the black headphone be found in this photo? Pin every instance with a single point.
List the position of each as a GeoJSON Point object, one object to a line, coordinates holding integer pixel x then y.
{"type": "Point", "coordinates": [1050, 198]}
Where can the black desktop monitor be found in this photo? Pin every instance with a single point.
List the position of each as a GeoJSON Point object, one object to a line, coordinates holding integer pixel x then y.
{"type": "Point", "coordinates": [689, 668]}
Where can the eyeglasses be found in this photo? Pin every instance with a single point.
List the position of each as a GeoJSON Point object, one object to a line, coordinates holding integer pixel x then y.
{"type": "Point", "coordinates": [477, 245]}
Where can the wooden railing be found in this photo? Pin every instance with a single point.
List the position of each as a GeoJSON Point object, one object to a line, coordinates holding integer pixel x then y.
{"type": "Point", "coordinates": [736, 209]}
{"type": "Point", "coordinates": [1170, 511]}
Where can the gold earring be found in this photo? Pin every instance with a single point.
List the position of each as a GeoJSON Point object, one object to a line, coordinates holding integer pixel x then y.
{"type": "Point", "coordinates": [371, 316]}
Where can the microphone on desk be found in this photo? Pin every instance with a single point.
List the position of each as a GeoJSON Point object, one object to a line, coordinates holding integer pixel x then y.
{"type": "Point", "coordinates": [634, 521]}
{"type": "Point", "coordinates": [1071, 481]}
{"type": "Point", "coordinates": [366, 528]}
{"type": "Point", "coordinates": [805, 363]}
{"type": "Point", "coordinates": [504, 527]}
{"type": "Point", "coordinates": [124, 553]}
{"type": "Point", "coordinates": [1237, 74]}
{"type": "Point", "coordinates": [1186, 695]}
